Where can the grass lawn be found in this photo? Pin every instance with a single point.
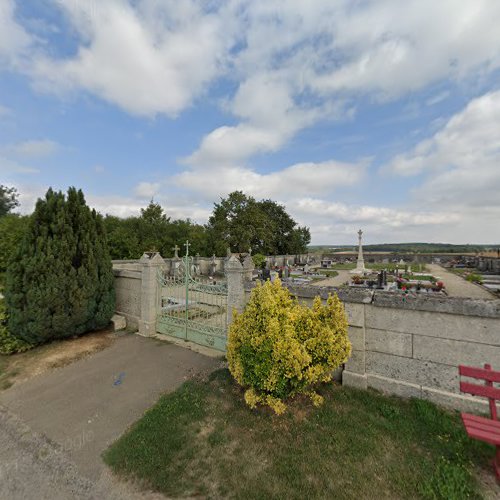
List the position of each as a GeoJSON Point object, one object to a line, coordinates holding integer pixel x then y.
{"type": "Point", "coordinates": [202, 440]}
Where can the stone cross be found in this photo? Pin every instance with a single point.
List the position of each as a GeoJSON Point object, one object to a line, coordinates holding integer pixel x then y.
{"type": "Point", "coordinates": [176, 250]}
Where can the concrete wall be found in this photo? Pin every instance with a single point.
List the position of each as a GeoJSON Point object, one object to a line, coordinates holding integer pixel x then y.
{"type": "Point", "coordinates": [128, 294]}
{"type": "Point", "coordinates": [413, 347]}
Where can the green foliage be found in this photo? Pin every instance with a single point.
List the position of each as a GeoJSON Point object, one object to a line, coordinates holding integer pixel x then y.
{"type": "Point", "coordinates": [153, 231]}
{"type": "Point", "coordinates": [12, 228]}
{"type": "Point", "coordinates": [8, 343]}
{"type": "Point", "coordinates": [60, 282]}
{"type": "Point", "coordinates": [475, 278]}
{"type": "Point", "coordinates": [240, 223]}
{"type": "Point", "coordinates": [8, 199]}
{"type": "Point", "coordinates": [259, 260]}
{"type": "Point", "coordinates": [278, 348]}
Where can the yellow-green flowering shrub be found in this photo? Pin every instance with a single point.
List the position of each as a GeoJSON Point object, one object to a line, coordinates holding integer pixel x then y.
{"type": "Point", "coordinates": [278, 348]}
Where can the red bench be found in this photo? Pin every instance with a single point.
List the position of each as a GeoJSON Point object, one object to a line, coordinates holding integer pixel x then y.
{"type": "Point", "coordinates": [481, 428]}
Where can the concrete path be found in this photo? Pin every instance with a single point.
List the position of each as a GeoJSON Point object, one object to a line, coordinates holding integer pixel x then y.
{"type": "Point", "coordinates": [83, 407]}
{"type": "Point", "coordinates": [338, 280]}
{"type": "Point", "coordinates": [457, 286]}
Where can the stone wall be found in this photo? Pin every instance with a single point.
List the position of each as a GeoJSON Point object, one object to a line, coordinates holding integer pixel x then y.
{"type": "Point", "coordinates": [413, 347]}
{"type": "Point", "coordinates": [128, 293]}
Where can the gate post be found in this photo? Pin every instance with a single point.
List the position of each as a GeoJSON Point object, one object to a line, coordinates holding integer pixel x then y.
{"type": "Point", "coordinates": [235, 290]}
{"type": "Point", "coordinates": [150, 298]}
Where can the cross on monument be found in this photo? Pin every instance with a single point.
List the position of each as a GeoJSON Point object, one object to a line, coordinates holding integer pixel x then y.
{"type": "Point", "coordinates": [187, 245]}
{"type": "Point", "coordinates": [176, 250]}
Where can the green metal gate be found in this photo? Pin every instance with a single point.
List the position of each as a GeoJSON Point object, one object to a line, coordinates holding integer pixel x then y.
{"type": "Point", "coordinates": [193, 309]}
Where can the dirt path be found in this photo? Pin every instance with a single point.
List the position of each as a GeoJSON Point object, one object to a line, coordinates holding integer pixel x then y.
{"type": "Point", "coordinates": [85, 406]}
{"type": "Point", "coordinates": [457, 286]}
{"type": "Point", "coordinates": [18, 368]}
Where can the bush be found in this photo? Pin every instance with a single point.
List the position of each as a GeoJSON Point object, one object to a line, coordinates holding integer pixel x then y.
{"type": "Point", "coordinates": [12, 228]}
{"type": "Point", "coordinates": [60, 282]}
{"type": "Point", "coordinates": [259, 260]}
{"type": "Point", "coordinates": [8, 343]}
{"type": "Point", "coordinates": [278, 348]}
{"type": "Point", "coordinates": [475, 278]}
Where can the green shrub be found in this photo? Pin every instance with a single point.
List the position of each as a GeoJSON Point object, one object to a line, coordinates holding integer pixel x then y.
{"type": "Point", "coordinates": [8, 343]}
{"type": "Point", "coordinates": [278, 348]}
{"type": "Point", "coordinates": [259, 260]}
{"type": "Point", "coordinates": [60, 282]}
{"type": "Point", "coordinates": [475, 278]}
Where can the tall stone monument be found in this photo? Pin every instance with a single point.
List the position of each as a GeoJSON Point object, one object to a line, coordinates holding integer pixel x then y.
{"type": "Point", "coordinates": [360, 266]}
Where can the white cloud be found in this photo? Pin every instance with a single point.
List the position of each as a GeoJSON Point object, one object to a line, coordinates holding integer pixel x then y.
{"type": "Point", "coordinates": [305, 63]}
{"type": "Point", "coordinates": [365, 214]}
{"type": "Point", "coordinates": [121, 206]}
{"type": "Point", "coordinates": [14, 40]}
{"type": "Point", "coordinates": [5, 111]}
{"type": "Point", "coordinates": [147, 189]}
{"type": "Point", "coordinates": [296, 180]}
{"type": "Point", "coordinates": [462, 160]}
{"type": "Point", "coordinates": [32, 148]}
{"type": "Point", "coordinates": [436, 99]}
{"type": "Point", "coordinates": [8, 167]}
{"type": "Point", "coordinates": [153, 57]}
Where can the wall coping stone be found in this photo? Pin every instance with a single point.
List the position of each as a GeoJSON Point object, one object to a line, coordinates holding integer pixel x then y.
{"type": "Point", "coordinates": [485, 308]}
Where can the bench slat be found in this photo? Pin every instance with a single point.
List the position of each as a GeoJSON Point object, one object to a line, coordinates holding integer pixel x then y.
{"type": "Point", "coordinates": [482, 435]}
{"type": "Point", "coordinates": [481, 373]}
{"type": "Point", "coordinates": [480, 390]}
{"type": "Point", "coordinates": [481, 423]}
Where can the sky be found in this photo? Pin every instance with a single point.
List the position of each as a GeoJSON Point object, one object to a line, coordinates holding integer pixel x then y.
{"type": "Point", "coordinates": [382, 115]}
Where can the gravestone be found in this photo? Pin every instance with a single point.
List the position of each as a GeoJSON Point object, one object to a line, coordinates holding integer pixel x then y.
{"type": "Point", "coordinates": [213, 266]}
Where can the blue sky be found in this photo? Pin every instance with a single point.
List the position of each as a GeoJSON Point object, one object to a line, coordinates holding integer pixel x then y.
{"type": "Point", "coordinates": [383, 115]}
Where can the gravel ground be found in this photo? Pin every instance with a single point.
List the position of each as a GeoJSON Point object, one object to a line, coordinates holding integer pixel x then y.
{"type": "Point", "coordinates": [54, 427]}
{"type": "Point", "coordinates": [457, 286]}
{"type": "Point", "coordinates": [338, 280]}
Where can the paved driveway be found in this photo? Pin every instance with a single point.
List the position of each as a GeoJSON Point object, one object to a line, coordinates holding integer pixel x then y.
{"type": "Point", "coordinates": [85, 406]}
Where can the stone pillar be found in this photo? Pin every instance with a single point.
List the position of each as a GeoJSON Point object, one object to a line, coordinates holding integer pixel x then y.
{"type": "Point", "coordinates": [235, 290]}
{"type": "Point", "coordinates": [248, 267]}
{"type": "Point", "coordinates": [151, 263]}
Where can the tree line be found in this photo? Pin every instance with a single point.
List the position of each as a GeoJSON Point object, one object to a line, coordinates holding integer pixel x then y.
{"type": "Point", "coordinates": [56, 263]}
{"type": "Point", "coordinates": [238, 221]}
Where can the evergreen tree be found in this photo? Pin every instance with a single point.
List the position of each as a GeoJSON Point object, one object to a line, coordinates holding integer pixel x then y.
{"type": "Point", "coordinates": [60, 283]}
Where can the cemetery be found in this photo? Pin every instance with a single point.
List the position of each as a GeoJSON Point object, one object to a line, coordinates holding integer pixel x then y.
{"type": "Point", "coordinates": [388, 333]}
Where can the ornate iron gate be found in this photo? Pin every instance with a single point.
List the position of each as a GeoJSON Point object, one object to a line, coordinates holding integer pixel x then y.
{"type": "Point", "coordinates": [193, 309]}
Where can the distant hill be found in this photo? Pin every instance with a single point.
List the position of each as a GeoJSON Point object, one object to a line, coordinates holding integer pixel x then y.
{"type": "Point", "coordinates": [408, 247]}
